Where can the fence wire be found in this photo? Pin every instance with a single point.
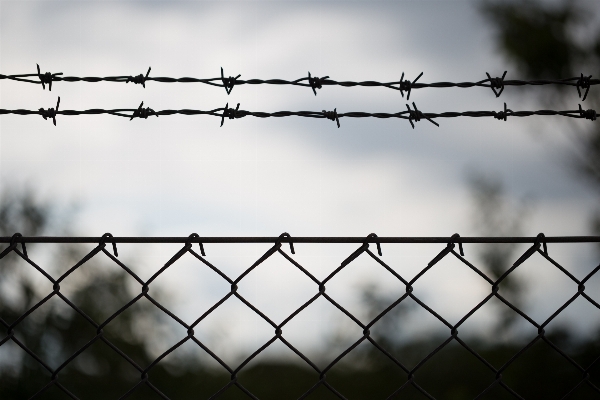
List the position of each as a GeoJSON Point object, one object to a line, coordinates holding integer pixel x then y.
{"type": "Point", "coordinates": [497, 84]}
{"type": "Point", "coordinates": [539, 245]}
{"type": "Point", "coordinates": [412, 115]}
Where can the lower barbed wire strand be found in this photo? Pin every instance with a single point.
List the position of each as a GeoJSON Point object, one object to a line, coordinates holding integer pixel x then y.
{"type": "Point", "coordinates": [219, 112]}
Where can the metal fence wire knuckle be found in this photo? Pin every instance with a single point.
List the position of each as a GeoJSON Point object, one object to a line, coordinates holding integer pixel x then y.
{"type": "Point", "coordinates": [587, 114]}
{"type": "Point", "coordinates": [373, 235]}
{"type": "Point", "coordinates": [14, 240]}
{"type": "Point", "coordinates": [50, 112]}
{"type": "Point", "coordinates": [103, 240]}
{"type": "Point", "coordinates": [541, 239]}
{"type": "Point", "coordinates": [583, 83]}
{"type": "Point", "coordinates": [287, 235]}
{"type": "Point", "coordinates": [139, 79]}
{"type": "Point", "coordinates": [456, 239]}
{"type": "Point", "coordinates": [332, 116]}
{"type": "Point", "coordinates": [497, 83]}
{"type": "Point", "coordinates": [315, 82]}
{"type": "Point", "coordinates": [195, 235]}
{"type": "Point", "coordinates": [228, 83]}
{"type": "Point", "coordinates": [46, 78]}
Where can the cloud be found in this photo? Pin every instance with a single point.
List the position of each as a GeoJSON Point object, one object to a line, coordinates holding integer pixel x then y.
{"type": "Point", "coordinates": [177, 175]}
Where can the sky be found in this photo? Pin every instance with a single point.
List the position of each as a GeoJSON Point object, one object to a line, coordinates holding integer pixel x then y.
{"type": "Point", "coordinates": [174, 175]}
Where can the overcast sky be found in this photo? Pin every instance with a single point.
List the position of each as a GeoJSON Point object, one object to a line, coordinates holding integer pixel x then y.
{"type": "Point", "coordinates": [175, 175]}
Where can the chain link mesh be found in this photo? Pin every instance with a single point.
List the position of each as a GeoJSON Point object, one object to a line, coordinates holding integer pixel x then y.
{"type": "Point", "coordinates": [17, 245]}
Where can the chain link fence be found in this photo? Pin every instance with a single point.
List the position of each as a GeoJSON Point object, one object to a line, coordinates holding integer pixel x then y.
{"type": "Point", "coordinates": [407, 381]}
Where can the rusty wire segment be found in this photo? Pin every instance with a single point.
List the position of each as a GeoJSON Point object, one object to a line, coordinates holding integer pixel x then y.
{"type": "Point", "coordinates": [538, 245]}
{"type": "Point", "coordinates": [497, 84]}
{"type": "Point", "coordinates": [412, 115]}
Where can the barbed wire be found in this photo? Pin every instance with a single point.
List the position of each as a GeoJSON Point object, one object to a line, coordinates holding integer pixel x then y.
{"type": "Point", "coordinates": [497, 84]}
{"type": "Point", "coordinates": [412, 115]}
{"type": "Point", "coordinates": [539, 245]}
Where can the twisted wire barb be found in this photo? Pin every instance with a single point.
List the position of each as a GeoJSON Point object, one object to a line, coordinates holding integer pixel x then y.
{"type": "Point", "coordinates": [496, 84]}
{"type": "Point", "coordinates": [538, 245]}
{"type": "Point", "coordinates": [412, 115]}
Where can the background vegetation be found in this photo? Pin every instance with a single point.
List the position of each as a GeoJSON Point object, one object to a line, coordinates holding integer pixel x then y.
{"type": "Point", "coordinates": [542, 42]}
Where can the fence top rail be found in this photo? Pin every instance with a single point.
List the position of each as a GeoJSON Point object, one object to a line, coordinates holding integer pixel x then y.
{"type": "Point", "coordinates": [300, 239]}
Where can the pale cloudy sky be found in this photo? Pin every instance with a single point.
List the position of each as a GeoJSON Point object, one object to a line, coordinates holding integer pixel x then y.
{"type": "Point", "coordinates": [180, 174]}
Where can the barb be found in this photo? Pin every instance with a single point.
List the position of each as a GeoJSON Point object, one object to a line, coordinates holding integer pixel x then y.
{"type": "Point", "coordinates": [139, 79]}
{"type": "Point", "coordinates": [228, 83]}
{"type": "Point", "coordinates": [497, 84]}
{"type": "Point", "coordinates": [142, 112]}
{"type": "Point", "coordinates": [47, 78]}
{"type": "Point", "coordinates": [316, 83]}
{"type": "Point", "coordinates": [230, 113]}
{"type": "Point", "coordinates": [50, 112]}
{"type": "Point", "coordinates": [416, 115]}
{"type": "Point", "coordinates": [587, 114]}
{"type": "Point", "coordinates": [11, 331]}
{"type": "Point", "coordinates": [406, 85]}
{"type": "Point", "coordinates": [412, 115]}
{"type": "Point", "coordinates": [332, 116]}
{"type": "Point", "coordinates": [503, 115]}
{"type": "Point", "coordinates": [584, 82]}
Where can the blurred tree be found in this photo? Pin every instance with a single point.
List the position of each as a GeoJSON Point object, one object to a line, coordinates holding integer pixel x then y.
{"type": "Point", "coordinates": [555, 40]}
{"type": "Point", "coordinates": [539, 38]}
{"type": "Point", "coordinates": [494, 215]}
{"type": "Point", "coordinates": [54, 331]}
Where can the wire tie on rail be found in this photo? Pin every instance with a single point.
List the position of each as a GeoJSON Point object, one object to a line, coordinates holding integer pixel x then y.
{"type": "Point", "coordinates": [406, 85]}
{"type": "Point", "coordinates": [50, 112]}
{"type": "Point", "coordinates": [13, 242]}
{"type": "Point", "coordinates": [140, 79]}
{"type": "Point", "coordinates": [587, 114]}
{"type": "Point", "coordinates": [143, 112]}
{"type": "Point", "coordinates": [497, 83]}
{"type": "Point", "coordinates": [287, 235]}
{"type": "Point", "coordinates": [228, 83]}
{"type": "Point", "coordinates": [503, 114]}
{"type": "Point", "coordinates": [541, 238]}
{"type": "Point", "coordinates": [315, 82]}
{"type": "Point", "coordinates": [332, 115]}
{"type": "Point", "coordinates": [46, 78]}
{"type": "Point", "coordinates": [416, 115]}
{"type": "Point", "coordinates": [372, 235]}
{"type": "Point", "coordinates": [195, 235]}
{"type": "Point", "coordinates": [114, 244]}
{"type": "Point", "coordinates": [456, 238]}
{"type": "Point", "coordinates": [583, 83]}
{"type": "Point", "coordinates": [230, 113]}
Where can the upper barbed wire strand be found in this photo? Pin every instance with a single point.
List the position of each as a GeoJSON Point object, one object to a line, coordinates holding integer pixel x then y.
{"type": "Point", "coordinates": [497, 84]}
